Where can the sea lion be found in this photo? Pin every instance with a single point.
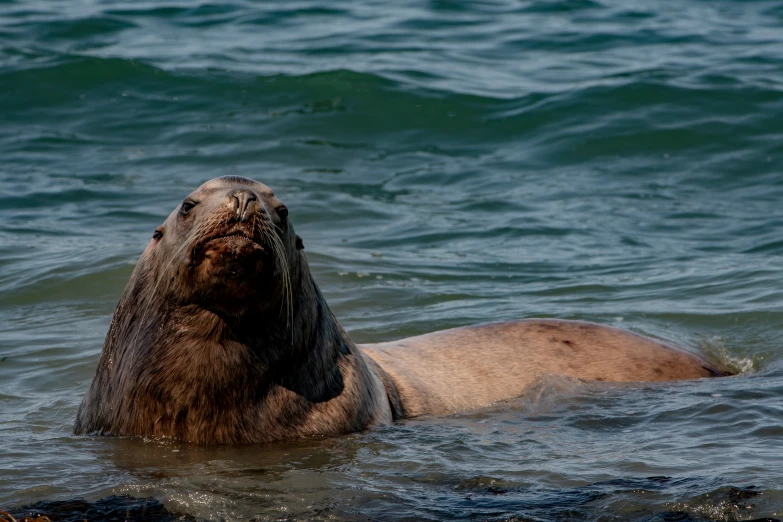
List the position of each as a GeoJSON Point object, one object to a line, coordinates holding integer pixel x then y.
{"type": "Point", "coordinates": [222, 336]}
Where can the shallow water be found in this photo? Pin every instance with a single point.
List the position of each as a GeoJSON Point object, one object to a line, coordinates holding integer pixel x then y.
{"type": "Point", "coordinates": [446, 163]}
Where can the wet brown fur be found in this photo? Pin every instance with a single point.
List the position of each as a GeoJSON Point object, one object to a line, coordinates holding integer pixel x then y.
{"type": "Point", "coordinates": [221, 367]}
{"type": "Point", "coordinates": [222, 336]}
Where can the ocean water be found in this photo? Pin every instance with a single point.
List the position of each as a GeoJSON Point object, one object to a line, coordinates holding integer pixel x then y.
{"type": "Point", "coordinates": [446, 163]}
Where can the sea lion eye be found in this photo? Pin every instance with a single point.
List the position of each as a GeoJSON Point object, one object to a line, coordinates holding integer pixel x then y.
{"type": "Point", "coordinates": [157, 234]}
{"type": "Point", "coordinates": [282, 211]}
{"type": "Point", "coordinates": [187, 206]}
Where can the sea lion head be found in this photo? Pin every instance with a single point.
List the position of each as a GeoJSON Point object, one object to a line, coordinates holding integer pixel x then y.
{"type": "Point", "coordinates": [227, 247]}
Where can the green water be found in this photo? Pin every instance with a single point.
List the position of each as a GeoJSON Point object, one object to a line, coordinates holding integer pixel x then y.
{"type": "Point", "coordinates": [446, 163]}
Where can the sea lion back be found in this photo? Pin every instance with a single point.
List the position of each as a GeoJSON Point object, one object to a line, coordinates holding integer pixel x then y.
{"type": "Point", "coordinates": [469, 367]}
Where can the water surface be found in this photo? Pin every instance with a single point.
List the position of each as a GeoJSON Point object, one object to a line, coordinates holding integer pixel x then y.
{"type": "Point", "coordinates": [447, 163]}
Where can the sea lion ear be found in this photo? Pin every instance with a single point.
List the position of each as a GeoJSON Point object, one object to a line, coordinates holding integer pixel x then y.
{"type": "Point", "coordinates": [299, 244]}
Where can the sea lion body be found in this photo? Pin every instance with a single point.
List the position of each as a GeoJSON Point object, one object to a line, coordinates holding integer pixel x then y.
{"type": "Point", "coordinates": [474, 366]}
{"type": "Point", "coordinates": [222, 336]}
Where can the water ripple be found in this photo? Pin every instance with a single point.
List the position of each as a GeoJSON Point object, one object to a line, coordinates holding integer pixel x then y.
{"type": "Point", "coordinates": [446, 163]}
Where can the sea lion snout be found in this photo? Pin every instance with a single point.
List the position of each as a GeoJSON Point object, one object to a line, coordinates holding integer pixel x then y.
{"type": "Point", "coordinates": [244, 201]}
{"type": "Point", "coordinates": [232, 272]}
{"type": "Point", "coordinates": [232, 257]}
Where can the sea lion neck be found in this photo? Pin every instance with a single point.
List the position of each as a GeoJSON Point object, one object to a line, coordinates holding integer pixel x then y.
{"type": "Point", "coordinates": [309, 364]}
{"type": "Point", "coordinates": [300, 353]}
